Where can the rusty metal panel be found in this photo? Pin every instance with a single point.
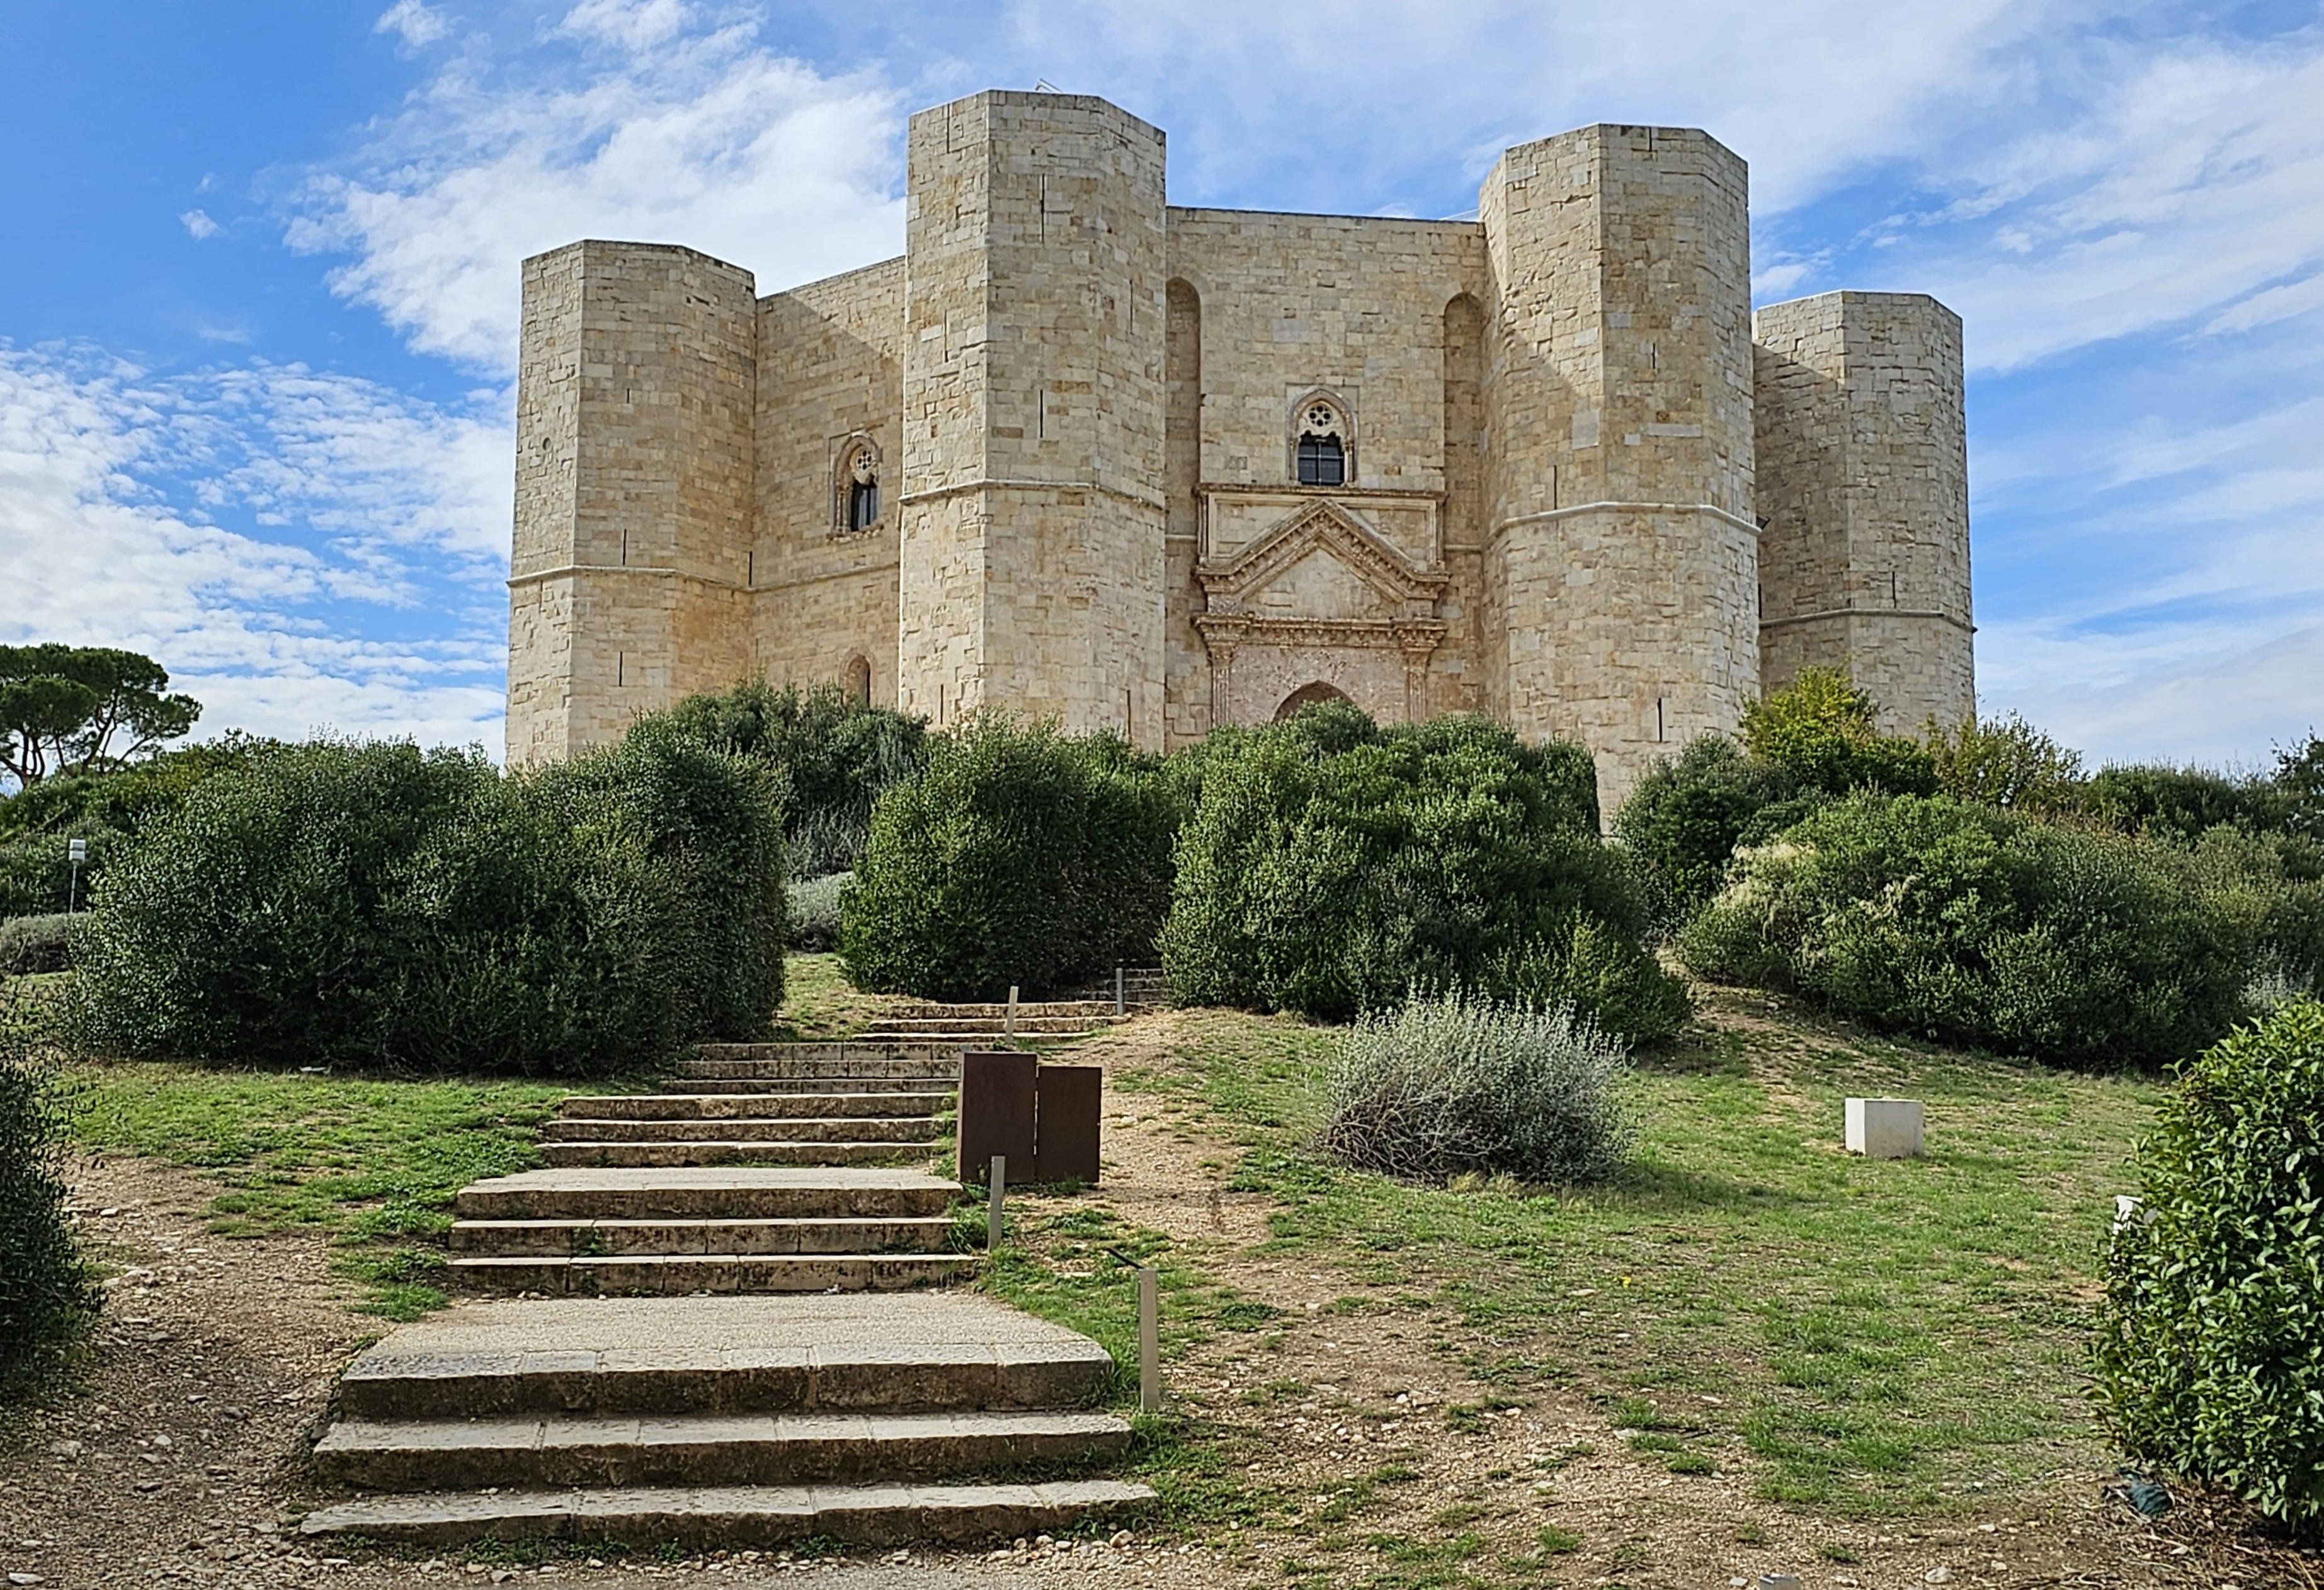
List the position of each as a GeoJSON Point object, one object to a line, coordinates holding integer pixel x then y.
{"type": "Point", "coordinates": [1066, 1111]}
{"type": "Point", "coordinates": [996, 1112]}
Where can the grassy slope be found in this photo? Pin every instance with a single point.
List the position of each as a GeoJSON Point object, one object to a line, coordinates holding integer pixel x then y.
{"type": "Point", "coordinates": [1875, 1335]}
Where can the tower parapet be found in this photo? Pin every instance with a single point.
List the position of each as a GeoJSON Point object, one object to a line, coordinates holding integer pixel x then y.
{"type": "Point", "coordinates": [1622, 559]}
{"type": "Point", "coordinates": [1863, 489]}
{"type": "Point", "coordinates": [635, 387]}
{"type": "Point", "coordinates": [1030, 565]}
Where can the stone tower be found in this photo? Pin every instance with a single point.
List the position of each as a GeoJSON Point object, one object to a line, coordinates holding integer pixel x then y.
{"type": "Point", "coordinates": [1622, 557]}
{"type": "Point", "coordinates": [1032, 508]}
{"type": "Point", "coordinates": [1863, 495]}
{"type": "Point", "coordinates": [633, 490]}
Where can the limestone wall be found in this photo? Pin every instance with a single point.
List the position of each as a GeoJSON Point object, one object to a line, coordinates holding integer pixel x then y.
{"type": "Point", "coordinates": [1032, 554]}
{"type": "Point", "coordinates": [1618, 442]}
{"type": "Point", "coordinates": [1863, 487]}
{"type": "Point", "coordinates": [634, 486]}
{"type": "Point", "coordinates": [1290, 306]}
{"type": "Point", "coordinates": [831, 375]}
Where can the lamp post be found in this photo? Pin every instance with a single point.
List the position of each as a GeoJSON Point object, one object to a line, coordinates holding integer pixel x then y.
{"type": "Point", "coordinates": [76, 851]}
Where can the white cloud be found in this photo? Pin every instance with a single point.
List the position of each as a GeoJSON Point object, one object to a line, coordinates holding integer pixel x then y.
{"type": "Point", "coordinates": [198, 225]}
{"type": "Point", "coordinates": [416, 24]}
{"type": "Point", "coordinates": [113, 483]}
{"type": "Point", "coordinates": [2266, 307]}
{"type": "Point", "coordinates": [705, 138]}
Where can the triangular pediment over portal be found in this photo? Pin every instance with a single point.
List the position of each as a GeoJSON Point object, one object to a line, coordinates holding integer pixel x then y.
{"type": "Point", "coordinates": [1320, 550]}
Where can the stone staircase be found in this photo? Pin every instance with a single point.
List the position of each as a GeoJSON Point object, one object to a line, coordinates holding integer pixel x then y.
{"type": "Point", "coordinates": [662, 1388]}
{"type": "Point", "coordinates": [978, 1025]}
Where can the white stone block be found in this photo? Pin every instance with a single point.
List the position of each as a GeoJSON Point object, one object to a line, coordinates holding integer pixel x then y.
{"type": "Point", "coordinates": [1883, 1128]}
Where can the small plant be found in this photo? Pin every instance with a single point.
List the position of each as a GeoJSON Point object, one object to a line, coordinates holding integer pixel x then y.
{"type": "Point", "coordinates": [1454, 1084]}
{"type": "Point", "coordinates": [2210, 1343]}
{"type": "Point", "coordinates": [47, 1296]}
{"type": "Point", "coordinates": [815, 912]}
{"type": "Point", "coordinates": [34, 944]}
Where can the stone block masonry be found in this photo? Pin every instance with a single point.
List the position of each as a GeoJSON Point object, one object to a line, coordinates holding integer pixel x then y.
{"type": "Point", "coordinates": [1082, 454]}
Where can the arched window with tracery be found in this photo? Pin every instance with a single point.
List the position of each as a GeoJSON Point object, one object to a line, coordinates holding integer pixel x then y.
{"type": "Point", "coordinates": [1323, 444]}
{"type": "Point", "coordinates": [855, 496]}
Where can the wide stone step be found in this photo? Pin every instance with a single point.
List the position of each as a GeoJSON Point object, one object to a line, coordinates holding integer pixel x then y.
{"type": "Point", "coordinates": [722, 1193]}
{"type": "Point", "coordinates": [688, 1155]}
{"type": "Point", "coordinates": [598, 1239]}
{"type": "Point", "coordinates": [1078, 1009]}
{"type": "Point", "coordinates": [875, 1104]}
{"type": "Point", "coordinates": [606, 1358]}
{"type": "Point", "coordinates": [963, 1027]}
{"type": "Point", "coordinates": [679, 1274]}
{"type": "Point", "coordinates": [807, 1087]}
{"type": "Point", "coordinates": [907, 1059]}
{"type": "Point", "coordinates": [733, 1516]}
{"type": "Point", "coordinates": [791, 1129]}
{"type": "Point", "coordinates": [726, 1449]}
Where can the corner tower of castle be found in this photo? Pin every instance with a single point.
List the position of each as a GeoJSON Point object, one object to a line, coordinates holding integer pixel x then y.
{"type": "Point", "coordinates": [1082, 454]}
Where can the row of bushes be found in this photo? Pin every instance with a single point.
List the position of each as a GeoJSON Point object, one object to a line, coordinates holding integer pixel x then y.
{"type": "Point", "coordinates": [375, 905]}
{"type": "Point", "coordinates": [1323, 865]}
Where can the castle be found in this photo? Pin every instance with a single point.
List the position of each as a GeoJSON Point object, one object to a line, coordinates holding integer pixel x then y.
{"type": "Point", "coordinates": [1085, 454]}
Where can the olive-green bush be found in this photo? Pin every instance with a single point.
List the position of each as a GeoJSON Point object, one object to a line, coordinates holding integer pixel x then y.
{"type": "Point", "coordinates": [1332, 867]}
{"type": "Point", "coordinates": [1971, 926]}
{"type": "Point", "coordinates": [814, 910]}
{"type": "Point", "coordinates": [35, 944]}
{"type": "Point", "coordinates": [1818, 730]}
{"type": "Point", "coordinates": [374, 905]}
{"type": "Point", "coordinates": [106, 808]}
{"type": "Point", "coordinates": [2209, 1350]}
{"type": "Point", "coordinates": [1018, 855]}
{"type": "Point", "coordinates": [837, 756]}
{"type": "Point", "coordinates": [1684, 820]}
{"type": "Point", "coordinates": [48, 1295]}
{"type": "Point", "coordinates": [1448, 1085]}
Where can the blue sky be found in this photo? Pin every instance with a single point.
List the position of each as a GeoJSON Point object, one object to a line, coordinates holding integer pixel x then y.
{"type": "Point", "coordinates": [259, 288]}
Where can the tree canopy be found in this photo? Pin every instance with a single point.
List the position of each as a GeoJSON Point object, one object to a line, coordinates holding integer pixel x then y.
{"type": "Point", "coordinates": [82, 709]}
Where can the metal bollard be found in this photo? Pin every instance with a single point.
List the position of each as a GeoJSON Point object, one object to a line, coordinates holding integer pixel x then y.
{"type": "Point", "coordinates": [997, 1188]}
{"type": "Point", "coordinates": [1118, 1006]}
{"type": "Point", "coordinates": [1149, 1340]}
{"type": "Point", "coordinates": [1009, 1032]}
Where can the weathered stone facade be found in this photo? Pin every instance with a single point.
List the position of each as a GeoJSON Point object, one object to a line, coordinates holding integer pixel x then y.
{"type": "Point", "coordinates": [1085, 455]}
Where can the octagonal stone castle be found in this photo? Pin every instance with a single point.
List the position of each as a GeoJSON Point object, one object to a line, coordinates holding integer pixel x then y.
{"type": "Point", "coordinates": [1081, 453]}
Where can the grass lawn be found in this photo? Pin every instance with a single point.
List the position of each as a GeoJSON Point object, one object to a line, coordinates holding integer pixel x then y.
{"type": "Point", "coordinates": [1862, 1336]}
{"type": "Point", "coordinates": [371, 1164]}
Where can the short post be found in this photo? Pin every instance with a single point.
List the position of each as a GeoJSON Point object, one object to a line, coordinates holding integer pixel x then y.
{"type": "Point", "coordinates": [76, 852]}
{"type": "Point", "coordinates": [1149, 1339]}
{"type": "Point", "coordinates": [998, 1186]}
{"type": "Point", "coordinates": [1118, 1007]}
{"type": "Point", "coordinates": [1008, 1030]}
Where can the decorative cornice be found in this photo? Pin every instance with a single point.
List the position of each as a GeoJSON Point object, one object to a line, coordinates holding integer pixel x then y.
{"type": "Point", "coordinates": [1958, 622]}
{"type": "Point", "coordinates": [936, 492]}
{"type": "Point", "coordinates": [700, 580]}
{"type": "Point", "coordinates": [1544, 517]}
{"type": "Point", "coordinates": [1356, 493]}
{"type": "Point", "coordinates": [1410, 635]}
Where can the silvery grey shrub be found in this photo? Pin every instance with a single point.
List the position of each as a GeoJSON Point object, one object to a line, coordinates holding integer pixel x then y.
{"type": "Point", "coordinates": [1452, 1083]}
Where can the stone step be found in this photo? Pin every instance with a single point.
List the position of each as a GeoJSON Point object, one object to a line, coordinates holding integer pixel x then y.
{"type": "Point", "coordinates": [726, 1449]}
{"type": "Point", "coordinates": [908, 1058]}
{"type": "Point", "coordinates": [790, 1129]}
{"type": "Point", "coordinates": [722, 1193]}
{"type": "Point", "coordinates": [596, 1239]}
{"type": "Point", "coordinates": [874, 1104]}
{"type": "Point", "coordinates": [1079, 1009]}
{"type": "Point", "coordinates": [688, 1155]}
{"type": "Point", "coordinates": [860, 1075]}
{"type": "Point", "coordinates": [608, 1358]}
{"type": "Point", "coordinates": [956, 1028]}
{"type": "Point", "coordinates": [672, 1275]}
{"type": "Point", "coordinates": [807, 1089]}
{"type": "Point", "coordinates": [733, 1516]}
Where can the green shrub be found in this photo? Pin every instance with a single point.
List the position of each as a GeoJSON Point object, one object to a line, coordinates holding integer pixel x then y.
{"type": "Point", "coordinates": [1017, 856]}
{"type": "Point", "coordinates": [814, 910]}
{"type": "Point", "coordinates": [34, 944]}
{"type": "Point", "coordinates": [2180, 804]}
{"type": "Point", "coordinates": [838, 757]}
{"type": "Point", "coordinates": [1685, 820]}
{"type": "Point", "coordinates": [373, 905]}
{"type": "Point", "coordinates": [2006, 762]}
{"type": "Point", "coordinates": [1332, 866]}
{"type": "Point", "coordinates": [1450, 1083]}
{"type": "Point", "coordinates": [1974, 927]}
{"type": "Point", "coordinates": [106, 808]}
{"type": "Point", "coordinates": [1818, 730]}
{"type": "Point", "coordinates": [47, 1298]}
{"type": "Point", "coordinates": [2210, 1341]}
